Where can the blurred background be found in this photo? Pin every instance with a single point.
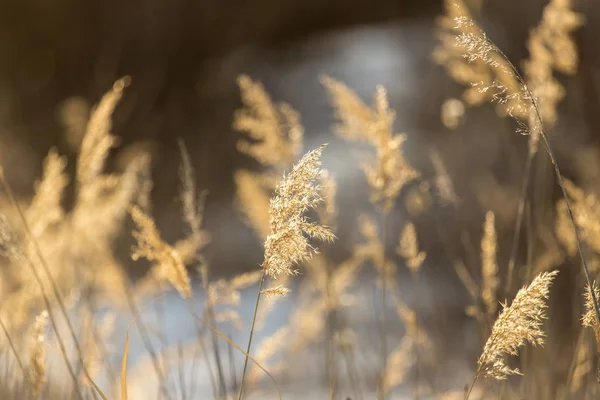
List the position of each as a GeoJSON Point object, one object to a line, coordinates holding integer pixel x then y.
{"type": "Point", "coordinates": [58, 57]}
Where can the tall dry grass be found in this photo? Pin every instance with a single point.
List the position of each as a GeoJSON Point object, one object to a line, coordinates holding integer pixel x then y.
{"type": "Point", "coordinates": [60, 268]}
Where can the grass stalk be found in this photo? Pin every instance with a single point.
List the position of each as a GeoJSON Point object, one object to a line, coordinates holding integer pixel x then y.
{"type": "Point", "coordinates": [258, 295]}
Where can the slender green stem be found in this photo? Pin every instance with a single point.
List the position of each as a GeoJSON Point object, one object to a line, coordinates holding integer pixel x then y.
{"type": "Point", "coordinates": [258, 295]}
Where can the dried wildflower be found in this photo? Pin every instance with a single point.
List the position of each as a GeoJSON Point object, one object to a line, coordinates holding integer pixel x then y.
{"type": "Point", "coordinates": [287, 244]}
{"type": "Point", "coordinates": [37, 357]}
{"type": "Point", "coordinates": [151, 246]}
{"type": "Point", "coordinates": [275, 129]}
{"type": "Point", "coordinates": [409, 248]}
{"type": "Point", "coordinates": [489, 265]}
{"type": "Point", "coordinates": [517, 324]}
{"type": "Point", "coordinates": [390, 171]}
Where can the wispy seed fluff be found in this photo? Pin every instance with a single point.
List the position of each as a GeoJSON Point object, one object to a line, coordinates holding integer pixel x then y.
{"type": "Point", "coordinates": [589, 318]}
{"type": "Point", "coordinates": [288, 242]}
{"type": "Point", "coordinates": [517, 324]}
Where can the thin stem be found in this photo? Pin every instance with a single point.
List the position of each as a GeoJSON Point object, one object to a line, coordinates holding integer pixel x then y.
{"type": "Point", "coordinates": [147, 343]}
{"type": "Point", "coordinates": [417, 343]}
{"type": "Point", "coordinates": [330, 363]}
{"type": "Point", "coordinates": [211, 320]}
{"type": "Point", "coordinates": [231, 364]}
{"type": "Point", "coordinates": [39, 282]}
{"type": "Point", "coordinates": [562, 188]}
{"type": "Point", "coordinates": [557, 172]}
{"type": "Point", "coordinates": [260, 286]}
{"type": "Point", "coordinates": [14, 349]}
{"type": "Point", "coordinates": [472, 385]}
{"type": "Point", "coordinates": [218, 393]}
{"type": "Point", "coordinates": [383, 315]}
{"type": "Point", "coordinates": [519, 221]}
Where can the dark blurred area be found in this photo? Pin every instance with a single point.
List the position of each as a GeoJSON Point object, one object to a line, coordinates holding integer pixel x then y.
{"type": "Point", "coordinates": [184, 56]}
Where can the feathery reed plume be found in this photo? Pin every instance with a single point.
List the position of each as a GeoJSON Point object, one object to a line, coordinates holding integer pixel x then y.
{"type": "Point", "coordinates": [471, 58]}
{"type": "Point", "coordinates": [517, 324]}
{"type": "Point", "coordinates": [489, 265]}
{"type": "Point", "coordinates": [193, 203]}
{"type": "Point", "coordinates": [590, 318]}
{"type": "Point", "coordinates": [275, 128]}
{"type": "Point", "coordinates": [45, 208]}
{"type": "Point", "coordinates": [98, 140]}
{"type": "Point", "coordinates": [276, 137]}
{"type": "Point", "coordinates": [37, 357]}
{"type": "Point", "coordinates": [288, 244]}
{"type": "Point", "coordinates": [153, 248]}
{"type": "Point", "coordinates": [409, 248]}
{"type": "Point", "coordinates": [388, 174]}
